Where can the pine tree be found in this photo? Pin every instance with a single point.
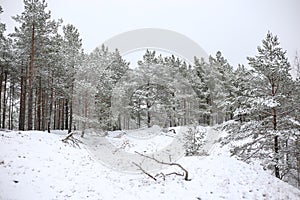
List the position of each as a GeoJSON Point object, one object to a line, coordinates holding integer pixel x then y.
{"type": "Point", "coordinates": [269, 104]}
{"type": "Point", "coordinates": [107, 68]}
{"type": "Point", "coordinates": [244, 88]}
{"type": "Point", "coordinates": [2, 60]}
{"type": "Point", "coordinates": [72, 51]}
{"type": "Point", "coordinates": [221, 87]}
{"type": "Point", "coordinates": [31, 39]}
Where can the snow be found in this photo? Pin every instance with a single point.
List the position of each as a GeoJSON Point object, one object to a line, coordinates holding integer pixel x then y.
{"type": "Point", "coordinates": [269, 102]}
{"type": "Point", "coordinates": [38, 165]}
{"type": "Point", "coordinates": [144, 140]}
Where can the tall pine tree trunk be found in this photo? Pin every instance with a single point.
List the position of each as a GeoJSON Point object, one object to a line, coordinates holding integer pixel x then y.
{"type": "Point", "coordinates": [148, 106]}
{"type": "Point", "coordinates": [31, 77]}
{"type": "Point", "coordinates": [11, 105]}
{"type": "Point", "coordinates": [50, 105]}
{"type": "Point", "coordinates": [1, 81]}
{"type": "Point", "coordinates": [54, 115]}
{"type": "Point", "coordinates": [139, 114]}
{"type": "Point", "coordinates": [58, 114]}
{"type": "Point", "coordinates": [22, 99]}
{"type": "Point", "coordinates": [185, 111]}
{"type": "Point", "coordinates": [39, 102]}
{"type": "Point", "coordinates": [43, 111]}
{"type": "Point", "coordinates": [4, 99]}
{"type": "Point", "coordinates": [276, 143]}
{"type": "Point", "coordinates": [35, 109]}
{"type": "Point", "coordinates": [62, 107]}
{"type": "Point", "coordinates": [66, 114]}
{"type": "Point", "coordinates": [71, 108]}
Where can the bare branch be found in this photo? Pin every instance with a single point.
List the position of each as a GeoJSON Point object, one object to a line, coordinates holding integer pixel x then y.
{"type": "Point", "coordinates": [175, 173]}
{"type": "Point", "coordinates": [140, 168]}
{"type": "Point", "coordinates": [70, 138]}
{"type": "Point", "coordinates": [186, 173]}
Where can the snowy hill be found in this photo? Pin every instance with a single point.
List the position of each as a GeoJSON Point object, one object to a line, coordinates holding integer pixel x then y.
{"type": "Point", "coordinates": [38, 165]}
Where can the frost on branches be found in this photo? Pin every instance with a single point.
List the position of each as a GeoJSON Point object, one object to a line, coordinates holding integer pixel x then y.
{"type": "Point", "coordinates": [270, 129]}
{"type": "Point", "coordinates": [194, 140]}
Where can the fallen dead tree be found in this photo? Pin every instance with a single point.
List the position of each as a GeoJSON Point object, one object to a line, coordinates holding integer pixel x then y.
{"type": "Point", "coordinates": [185, 172]}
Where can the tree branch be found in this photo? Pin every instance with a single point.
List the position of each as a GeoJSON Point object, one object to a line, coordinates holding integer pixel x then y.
{"type": "Point", "coordinates": [140, 168]}
{"type": "Point", "coordinates": [71, 138]}
{"type": "Point", "coordinates": [186, 173]}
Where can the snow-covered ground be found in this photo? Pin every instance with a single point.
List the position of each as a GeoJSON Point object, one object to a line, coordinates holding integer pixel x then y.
{"type": "Point", "coordinates": [38, 165]}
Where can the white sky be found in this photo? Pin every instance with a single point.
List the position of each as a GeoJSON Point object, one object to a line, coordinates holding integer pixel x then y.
{"type": "Point", "coordinates": [235, 27]}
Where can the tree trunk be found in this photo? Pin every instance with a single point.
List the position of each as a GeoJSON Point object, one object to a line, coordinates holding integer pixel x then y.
{"type": "Point", "coordinates": [31, 77]}
{"type": "Point", "coordinates": [22, 100]}
{"type": "Point", "coordinates": [148, 106]}
{"type": "Point", "coordinates": [173, 118]}
{"type": "Point", "coordinates": [276, 144]}
{"type": "Point", "coordinates": [39, 102]}
{"type": "Point", "coordinates": [35, 109]}
{"type": "Point", "coordinates": [62, 104]}
{"type": "Point", "coordinates": [50, 105]}
{"type": "Point", "coordinates": [54, 115]}
{"type": "Point", "coordinates": [139, 115]}
{"type": "Point", "coordinates": [4, 100]}
{"type": "Point", "coordinates": [11, 106]}
{"type": "Point", "coordinates": [66, 114]}
{"type": "Point", "coordinates": [71, 108]}
{"type": "Point", "coordinates": [1, 81]}
{"type": "Point", "coordinates": [43, 112]}
{"type": "Point", "coordinates": [185, 110]}
{"type": "Point", "coordinates": [58, 114]}
{"type": "Point", "coordinates": [85, 111]}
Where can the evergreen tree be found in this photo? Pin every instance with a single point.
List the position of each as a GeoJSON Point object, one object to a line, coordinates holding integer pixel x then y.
{"type": "Point", "coordinates": [244, 87]}
{"type": "Point", "coordinates": [71, 51]}
{"type": "Point", "coordinates": [32, 37]}
{"type": "Point", "coordinates": [108, 68]}
{"type": "Point", "coordinates": [8, 80]}
{"type": "Point", "coordinates": [271, 127]}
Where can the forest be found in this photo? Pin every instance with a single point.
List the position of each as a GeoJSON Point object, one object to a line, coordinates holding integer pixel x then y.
{"type": "Point", "coordinates": [48, 82]}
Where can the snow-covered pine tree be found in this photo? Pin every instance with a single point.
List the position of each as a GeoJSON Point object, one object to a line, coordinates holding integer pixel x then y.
{"type": "Point", "coordinates": [54, 74]}
{"type": "Point", "coordinates": [270, 133]}
{"type": "Point", "coordinates": [194, 140]}
{"type": "Point", "coordinates": [3, 70]}
{"type": "Point", "coordinates": [295, 172]}
{"type": "Point", "coordinates": [8, 84]}
{"type": "Point", "coordinates": [215, 88]}
{"type": "Point", "coordinates": [244, 87]}
{"type": "Point", "coordinates": [222, 89]}
{"type": "Point", "coordinates": [169, 94]}
{"type": "Point", "coordinates": [199, 78]}
{"type": "Point", "coordinates": [110, 68]}
{"type": "Point", "coordinates": [31, 38]}
{"type": "Point", "coordinates": [146, 93]}
{"type": "Point", "coordinates": [72, 51]}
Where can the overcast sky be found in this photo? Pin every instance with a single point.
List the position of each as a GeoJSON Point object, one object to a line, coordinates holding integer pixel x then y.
{"type": "Point", "coordinates": [235, 27]}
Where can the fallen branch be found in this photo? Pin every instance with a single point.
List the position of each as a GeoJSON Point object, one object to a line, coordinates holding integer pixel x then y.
{"type": "Point", "coordinates": [186, 173]}
{"type": "Point", "coordinates": [162, 174]}
{"type": "Point", "coordinates": [140, 168]}
{"type": "Point", "coordinates": [175, 173]}
{"type": "Point", "coordinates": [70, 138]}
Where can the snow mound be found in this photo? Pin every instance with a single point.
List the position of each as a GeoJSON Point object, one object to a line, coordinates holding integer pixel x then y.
{"type": "Point", "coordinates": [38, 165]}
{"type": "Point", "coordinates": [144, 140]}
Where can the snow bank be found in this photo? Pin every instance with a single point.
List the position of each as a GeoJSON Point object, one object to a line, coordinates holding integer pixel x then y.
{"type": "Point", "coordinates": [37, 165]}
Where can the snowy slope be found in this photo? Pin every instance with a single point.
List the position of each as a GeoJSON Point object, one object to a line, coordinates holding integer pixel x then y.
{"type": "Point", "coordinates": [37, 165]}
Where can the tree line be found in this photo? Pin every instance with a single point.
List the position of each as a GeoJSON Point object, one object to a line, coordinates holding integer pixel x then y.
{"type": "Point", "coordinates": [38, 65]}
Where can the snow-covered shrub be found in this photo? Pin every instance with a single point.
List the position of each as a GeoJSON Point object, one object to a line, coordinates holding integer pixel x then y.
{"type": "Point", "coordinates": [193, 141]}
